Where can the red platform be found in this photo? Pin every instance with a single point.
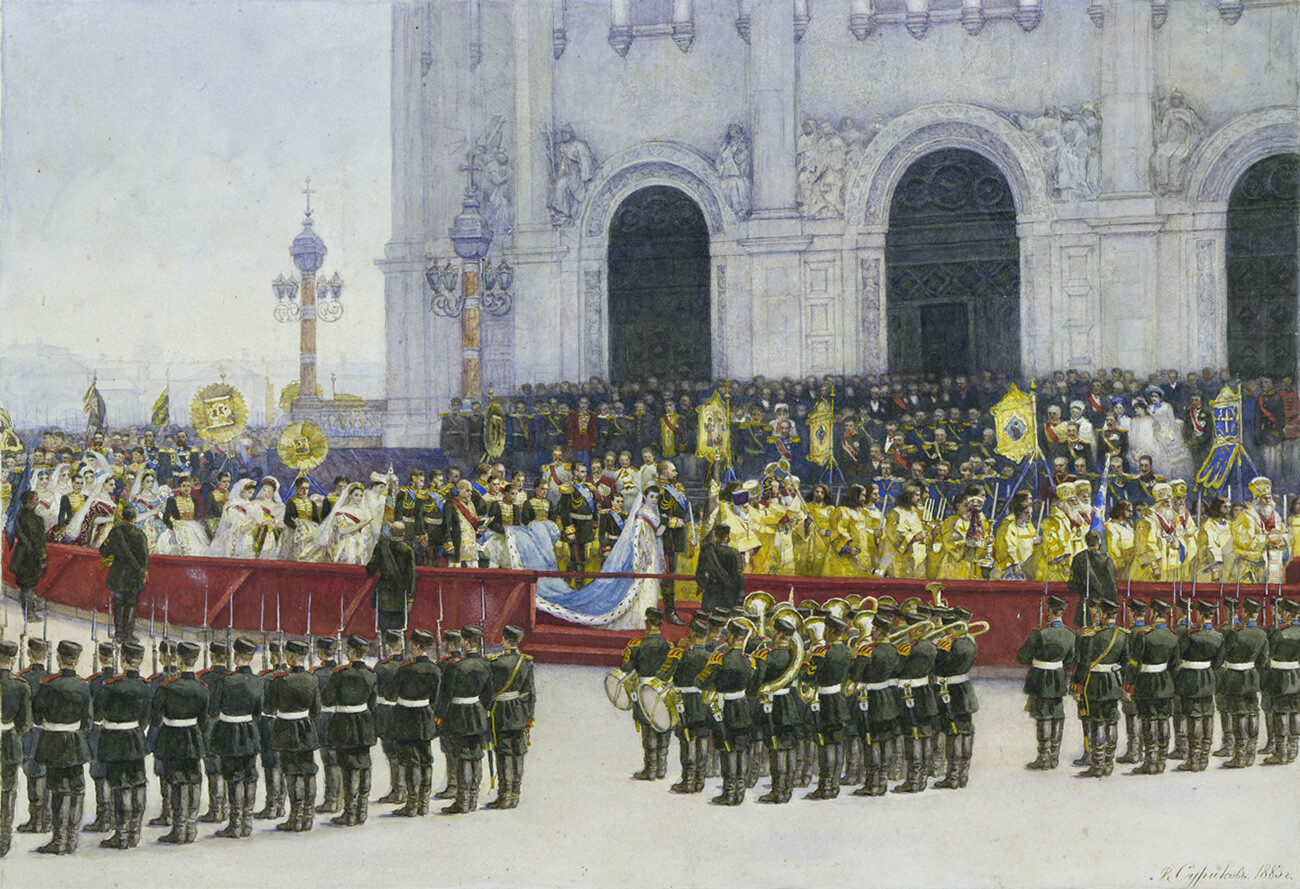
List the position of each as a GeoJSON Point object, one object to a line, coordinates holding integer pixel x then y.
{"type": "Point", "coordinates": [209, 592]}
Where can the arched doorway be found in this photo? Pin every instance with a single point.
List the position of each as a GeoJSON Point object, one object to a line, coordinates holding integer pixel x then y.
{"type": "Point", "coordinates": [953, 265]}
{"type": "Point", "coordinates": [1263, 227]}
{"type": "Point", "coordinates": [659, 288]}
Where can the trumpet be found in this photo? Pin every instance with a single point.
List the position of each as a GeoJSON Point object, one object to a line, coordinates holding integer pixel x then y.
{"type": "Point", "coordinates": [924, 628]}
{"type": "Point", "coordinates": [957, 630]}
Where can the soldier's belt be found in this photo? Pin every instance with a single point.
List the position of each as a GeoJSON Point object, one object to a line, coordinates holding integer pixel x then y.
{"type": "Point", "coordinates": [6, 726]}
{"type": "Point", "coordinates": [179, 723]}
{"type": "Point", "coordinates": [731, 695]}
{"type": "Point", "coordinates": [1048, 665]}
{"type": "Point", "coordinates": [119, 726]}
{"type": "Point", "coordinates": [510, 696]}
{"type": "Point", "coordinates": [62, 726]}
{"type": "Point", "coordinates": [351, 708]}
{"type": "Point", "coordinates": [1106, 668]}
{"type": "Point", "coordinates": [910, 684]}
{"type": "Point", "coordinates": [1284, 665]}
{"type": "Point", "coordinates": [1240, 667]}
{"type": "Point", "coordinates": [292, 714]}
{"type": "Point", "coordinates": [1152, 668]}
{"type": "Point", "coordinates": [688, 689]}
{"type": "Point", "coordinates": [327, 709]}
{"type": "Point", "coordinates": [955, 680]}
{"type": "Point", "coordinates": [880, 686]}
{"type": "Point", "coordinates": [1195, 665]}
{"type": "Point", "coordinates": [829, 689]}
{"type": "Point", "coordinates": [414, 705]}
{"type": "Point", "coordinates": [781, 691]}
{"type": "Point", "coordinates": [235, 719]}
{"type": "Point", "coordinates": [473, 699]}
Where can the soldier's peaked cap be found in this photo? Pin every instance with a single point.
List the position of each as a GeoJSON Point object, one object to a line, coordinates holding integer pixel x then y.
{"type": "Point", "coordinates": [423, 638]}
{"type": "Point", "coordinates": [68, 648]}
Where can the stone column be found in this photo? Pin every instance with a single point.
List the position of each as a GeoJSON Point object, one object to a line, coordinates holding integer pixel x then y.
{"type": "Point", "coordinates": [772, 107]}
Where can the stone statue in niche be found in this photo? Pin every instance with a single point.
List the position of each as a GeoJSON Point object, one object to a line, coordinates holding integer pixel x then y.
{"type": "Point", "coordinates": [1069, 142]}
{"type": "Point", "coordinates": [828, 154]}
{"type": "Point", "coordinates": [734, 162]}
{"type": "Point", "coordinates": [497, 179]}
{"type": "Point", "coordinates": [573, 166]}
{"type": "Point", "coordinates": [1179, 130]}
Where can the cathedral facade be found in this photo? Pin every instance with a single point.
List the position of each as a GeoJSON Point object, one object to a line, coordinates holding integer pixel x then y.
{"type": "Point", "coordinates": [723, 188]}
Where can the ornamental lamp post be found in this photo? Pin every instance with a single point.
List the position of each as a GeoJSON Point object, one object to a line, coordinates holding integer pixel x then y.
{"type": "Point", "coordinates": [316, 299]}
{"type": "Point", "coordinates": [457, 294]}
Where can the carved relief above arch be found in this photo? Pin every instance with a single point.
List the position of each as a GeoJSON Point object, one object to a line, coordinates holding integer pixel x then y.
{"type": "Point", "coordinates": [930, 128]}
{"type": "Point", "coordinates": [655, 163]}
{"type": "Point", "coordinates": [1244, 140]}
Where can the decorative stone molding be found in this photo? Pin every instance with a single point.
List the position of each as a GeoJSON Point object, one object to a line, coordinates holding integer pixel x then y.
{"type": "Point", "coordinates": [559, 42]}
{"type": "Point", "coordinates": [720, 316]}
{"type": "Point", "coordinates": [1097, 13]}
{"type": "Point", "coordinates": [593, 298]}
{"type": "Point", "coordinates": [655, 163]}
{"type": "Point", "coordinates": [1207, 296]}
{"type": "Point", "coordinates": [734, 161]}
{"type": "Point", "coordinates": [801, 19]}
{"type": "Point", "coordinates": [1028, 14]}
{"type": "Point", "coordinates": [860, 23]}
{"type": "Point", "coordinates": [918, 23]}
{"type": "Point", "coordinates": [620, 38]}
{"type": "Point", "coordinates": [1069, 140]}
{"type": "Point", "coordinates": [828, 151]}
{"type": "Point", "coordinates": [869, 309]}
{"type": "Point", "coordinates": [1230, 10]}
{"type": "Point", "coordinates": [972, 19]}
{"type": "Point", "coordinates": [1230, 150]}
{"type": "Point", "coordinates": [1159, 12]}
{"type": "Point", "coordinates": [683, 35]}
{"type": "Point", "coordinates": [1178, 131]}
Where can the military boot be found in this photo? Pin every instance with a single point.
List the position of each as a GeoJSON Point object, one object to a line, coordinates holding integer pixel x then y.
{"type": "Point", "coordinates": [38, 807]}
{"type": "Point", "coordinates": [1252, 737]}
{"type": "Point", "coordinates": [193, 804]}
{"type": "Point", "coordinates": [686, 749]}
{"type": "Point", "coordinates": [712, 759]}
{"type": "Point", "coordinates": [898, 759]}
{"type": "Point", "coordinates": [1058, 730]}
{"type": "Point", "coordinates": [347, 817]}
{"type": "Point", "coordinates": [307, 810]}
{"type": "Point", "coordinates": [1085, 758]}
{"type": "Point", "coordinates": [701, 756]}
{"type": "Point", "coordinates": [1180, 750]}
{"type": "Point", "coordinates": [138, 799]}
{"type": "Point", "coordinates": [271, 776]}
{"type": "Point", "coordinates": [396, 784]}
{"type": "Point", "coordinates": [503, 783]}
{"type": "Point", "coordinates": [967, 751]}
{"type": "Point", "coordinates": [121, 802]}
{"type": "Point", "coordinates": [333, 791]}
{"type": "Point", "coordinates": [1134, 737]}
{"type": "Point", "coordinates": [649, 756]}
{"type": "Point", "coordinates": [164, 818]}
{"type": "Point", "coordinates": [1096, 744]}
{"type": "Point", "coordinates": [951, 779]}
{"type": "Point", "coordinates": [464, 783]}
{"type": "Point", "coordinates": [448, 792]}
{"type": "Point", "coordinates": [55, 845]}
{"type": "Point", "coordinates": [1239, 732]}
{"type": "Point", "coordinates": [362, 811]}
{"type": "Point", "coordinates": [103, 809]}
{"type": "Point", "coordinates": [1043, 734]}
{"type": "Point", "coordinates": [1148, 765]}
{"type": "Point", "coordinates": [174, 793]}
{"type": "Point", "coordinates": [235, 797]}
{"type": "Point", "coordinates": [423, 787]}
{"type": "Point", "coordinates": [661, 754]}
{"type": "Point", "coordinates": [411, 793]}
{"type": "Point", "coordinates": [853, 760]}
{"type": "Point", "coordinates": [774, 764]}
{"type": "Point", "coordinates": [294, 792]}
{"type": "Point", "coordinates": [8, 802]}
{"type": "Point", "coordinates": [218, 806]}
{"type": "Point", "coordinates": [1111, 741]}
{"type": "Point", "coordinates": [916, 778]}
{"type": "Point", "coordinates": [1270, 737]}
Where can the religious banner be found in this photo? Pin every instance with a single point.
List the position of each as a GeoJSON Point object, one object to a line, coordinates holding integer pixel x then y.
{"type": "Point", "coordinates": [218, 412]}
{"type": "Point", "coordinates": [1226, 451]}
{"type": "Point", "coordinates": [1013, 418]}
{"type": "Point", "coordinates": [161, 414]}
{"type": "Point", "coordinates": [821, 434]}
{"type": "Point", "coordinates": [714, 438]}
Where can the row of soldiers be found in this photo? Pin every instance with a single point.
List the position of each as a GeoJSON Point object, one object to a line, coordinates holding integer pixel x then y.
{"type": "Point", "coordinates": [1156, 673]}
{"type": "Point", "coordinates": [864, 701]}
{"type": "Point", "coordinates": [220, 722]}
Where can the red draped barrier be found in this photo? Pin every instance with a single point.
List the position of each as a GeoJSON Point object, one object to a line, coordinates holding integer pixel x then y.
{"type": "Point", "coordinates": [266, 595]}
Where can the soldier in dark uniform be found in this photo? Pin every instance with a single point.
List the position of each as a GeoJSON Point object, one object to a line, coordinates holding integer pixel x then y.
{"type": "Point", "coordinates": [644, 656]}
{"type": "Point", "coordinates": [218, 804]}
{"type": "Point", "coordinates": [1046, 651]}
{"type": "Point", "coordinates": [1200, 654]}
{"type": "Point", "coordinates": [1098, 662]}
{"type": "Point", "coordinates": [1134, 737]}
{"type": "Point", "coordinates": [129, 551]}
{"type": "Point", "coordinates": [727, 673]}
{"type": "Point", "coordinates": [1282, 683]}
{"type": "Point", "coordinates": [394, 562]}
{"type": "Point", "coordinates": [412, 692]}
{"type": "Point", "coordinates": [167, 654]}
{"type": "Point", "coordinates": [385, 670]}
{"type": "Point", "coordinates": [180, 712]}
{"type": "Point", "coordinates": [451, 652]}
{"type": "Point", "coordinates": [1229, 625]}
{"type": "Point", "coordinates": [718, 572]}
{"type": "Point", "coordinates": [1153, 655]}
{"type": "Point", "coordinates": [777, 712]}
{"type": "Point", "coordinates": [827, 668]}
{"type": "Point", "coordinates": [63, 709]}
{"type": "Point", "coordinates": [875, 669]}
{"type": "Point", "coordinates": [28, 558]}
{"type": "Point", "coordinates": [464, 696]}
{"type": "Point", "coordinates": [121, 711]}
{"type": "Point", "coordinates": [454, 434]}
{"type": "Point", "coordinates": [428, 523]}
{"type": "Point", "coordinates": [576, 517]}
{"type": "Point", "coordinates": [272, 776]}
{"type": "Point", "coordinates": [1245, 656]}
{"type": "Point", "coordinates": [98, 771]}
{"type": "Point", "coordinates": [235, 709]}
{"type": "Point", "coordinates": [294, 697]}
{"type": "Point", "coordinates": [952, 664]}
{"type": "Point", "coordinates": [38, 791]}
{"type": "Point", "coordinates": [674, 509]}
{"type": "Point", "coordinates": [352, 692]}
{"type": "Point", "coordinates": [917, 704]}
{"type": "Point", "coordinates": [15, 721]}
{"type": "Point", "coordinates": [511, 717]}
{"type": "Point", "coordinates": [329, 760]}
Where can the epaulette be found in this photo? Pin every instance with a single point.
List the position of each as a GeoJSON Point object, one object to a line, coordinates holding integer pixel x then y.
{"type": "Point", "coordinates": [407, 663]}
{"type": "Point", "coordinates": [115, 679]}
{"type": "Point", "coordinates": [48, 678]}
{"type": "Point", "coordinates": [820, 648]}
{"type": "Point", "coordinates": [525, 657]}
{"type": "Point", "coordinates": [341, 667]}
{"type": "Point", "coordinates": [716, 657]}
{"type": "Point", "coordinates": [633, 643]}
{"type": "Point", "coordinates": [1088, 631]}
{"type": "Point", "coordinates": [94, 675]}
{"type": "Point", "coordinates": [169, 681]}
{"type": "Point", "coordinates": [495, 655]}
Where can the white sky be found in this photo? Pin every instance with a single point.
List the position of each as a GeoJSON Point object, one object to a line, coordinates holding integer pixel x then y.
{"type": "Point", "coordinates": [151, 164]}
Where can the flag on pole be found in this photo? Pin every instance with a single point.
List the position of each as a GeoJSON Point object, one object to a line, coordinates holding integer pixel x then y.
{"type": "Point", "coordinates": [1099, 507]}
{"type": "Point", "coordinates": [1013, 419]}
{"type": "Point", "coordinates": [713, 440]}
{"type": "Point", "coordinates": [821, 434]}
{"type": "Point", "coordinates": [96, 411]}
{"type": "Point", "coordinates": [162, 410]}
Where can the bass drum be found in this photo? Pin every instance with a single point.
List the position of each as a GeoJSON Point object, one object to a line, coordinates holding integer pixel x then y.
{"type": "Point", "coordinates": [617, 689]}
{"type": "Point", "coordinates": [659, 701]}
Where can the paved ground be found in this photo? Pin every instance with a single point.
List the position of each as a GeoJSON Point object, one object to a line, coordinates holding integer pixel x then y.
{"type": "Point", "coordinates": [584, 822]}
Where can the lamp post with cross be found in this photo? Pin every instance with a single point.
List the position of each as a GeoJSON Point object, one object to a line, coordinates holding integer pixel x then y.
{"type": "Point", "coordinates": [456, 292]}
{"type": "Point", "coordinates": [314, 299]}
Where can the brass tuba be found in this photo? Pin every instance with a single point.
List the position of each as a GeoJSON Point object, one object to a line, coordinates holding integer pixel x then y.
{"type": "Point", "coordinates": [768, 690]}
{"type": "Point", "coordinates": [838, 607]}
{"type": "Point", "coordinates": [762, 606]}
{"type": "Point", "coordinates": [815, 627]}
{"type": "Point", "coordinates": [935, 588]}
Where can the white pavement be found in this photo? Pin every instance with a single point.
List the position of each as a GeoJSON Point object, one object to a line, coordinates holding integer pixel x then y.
{"type": "Point", "coordinates": [584, 822]}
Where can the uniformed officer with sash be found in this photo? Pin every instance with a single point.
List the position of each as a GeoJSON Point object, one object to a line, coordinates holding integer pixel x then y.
{"type": "Point", "coordinates": [235, 709]}
{"type": "Point", "coordinates": [727, 673]}
{"type": "Point", "coordinates": [1200, 654]}
{"type": "Point", "coordinates": [15, 721]}
{"type": "Point", "coordinates": [412, 692]}
{"type": "Point", "coordinates": [1100, 658]}
{"type": "Point", "coordinates": [464, 697]}
{"type": "Point", "coordinates": [180, 713]}
{"type": "Point", "coordinates": [352, 692]}
{"type": "Point", "coordinates": [63, 709]}
{"type": "Point", "coordinates": [1046, 651]}
{"type": "Point", "coordinates": [294, 697]}
{"type": "Point", "coordinates": [1153, 657]}
{"type": "Point", "coordinates": [1245, 656]}
{"type": "Point", "coordinates": [121, 712]}
{"type": "Point", "coordinates": [513, 705]}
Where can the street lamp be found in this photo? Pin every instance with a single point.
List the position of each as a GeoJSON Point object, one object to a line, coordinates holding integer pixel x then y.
{"type": "Point", "coordinates": [457, 294]}
{"type": "Point", "coordinates": [323, 300]}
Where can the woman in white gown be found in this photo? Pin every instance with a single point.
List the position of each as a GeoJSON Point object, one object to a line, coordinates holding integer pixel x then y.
{"type": "Point", "coordinates": [269, 513]}
{"type": "Point", "coordinates": [149, 503]}
{"type": "Point", "coordinates": [616, 603]}
{"type": "Point", "coordinates": [345, 537]}
{"type": "Point", "coordinates": [239, 519]}
{"type": "Point", "coordinates": [91, 523]}
{"type": "Point", "coordinates": [47, 504]}
{"type": "Point", "coordinates": [1154, 431]}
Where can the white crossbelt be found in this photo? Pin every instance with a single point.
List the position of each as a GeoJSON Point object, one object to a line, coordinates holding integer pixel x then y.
{"type": "Point", "coordinates": [1152, 668]}
{"type": "Point", "coordinates": [732, 695]}
{"type": "Point", "coordinates": [119, 726]}
{"type": "Point", "coordinates": [510, 696]}
{"type": "Point", "coordinates": [1105, 668]}
{"type": "Point", "coordinates": [233, 719]}
{"type": "Point", "coordinates": [62, 726]}
{"type": "Point", "coordinates": [688, 689]}
{"type": "Point", "coordinates": [466, 700]}
{"type": "Point", "coordinates": [829, 689]}
{"type": "Point", "coordinates": [1284, 665]}
{"type": "Point", "coordinates": [914, 683]}
{"type": "Point", "coordinates": [955, 680]}
{"type": "Point", "coordinates": [351, 708]}
{"type": "Point", "coordinates": [781, 691]}
{"type": "Point", "coordinates": [292, 714]}
{"type": "Point", "coordinates": [1195, 665]}
{"type": "Point", "coordinates": [414, 705]}
{"type": "Point", "coordinates": [1241, 667]}
{"type": "Point", "coordinates": [880, 686]}
{"type": "Point", "coordinates": [179, 723]}
{"type": "Point", "coordinates": [1048, 665]}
